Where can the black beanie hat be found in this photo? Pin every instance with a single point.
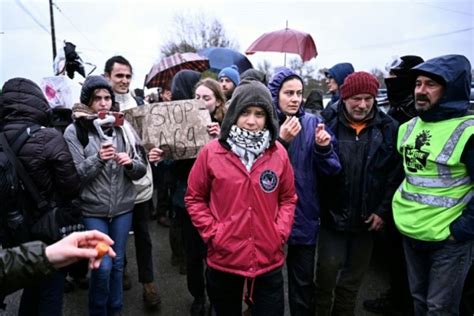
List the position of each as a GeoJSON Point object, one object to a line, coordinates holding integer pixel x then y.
{"type": "Point", "coordinates": [92, 83]}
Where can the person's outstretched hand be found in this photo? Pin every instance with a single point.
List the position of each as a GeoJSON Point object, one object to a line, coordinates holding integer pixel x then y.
{"type": "Point", "coordinates": [76, 246]}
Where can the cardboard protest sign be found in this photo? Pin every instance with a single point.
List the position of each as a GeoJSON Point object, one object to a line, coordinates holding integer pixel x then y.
{"type": "Point", "coordinates": [179, 128]}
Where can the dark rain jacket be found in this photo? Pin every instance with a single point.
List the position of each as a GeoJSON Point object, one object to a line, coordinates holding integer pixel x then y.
{"type": "Point", "coordinates": [371, 172]}
{"type": "Point", "coordinates": [45, 155]}
{"type": "Point", "coordinates": [23, 266]}
{"type": "Point", "coordinates": [455, 72]}
{"type": "Point", "coordinates": [308, 160]}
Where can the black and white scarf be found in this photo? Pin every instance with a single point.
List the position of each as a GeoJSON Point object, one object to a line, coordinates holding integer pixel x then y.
{"type": "Point", "coordinates": [248, 145]}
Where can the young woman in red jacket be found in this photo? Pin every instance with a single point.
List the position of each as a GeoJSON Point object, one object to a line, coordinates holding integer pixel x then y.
{"type": "Point", "coordinates": [241, 198]}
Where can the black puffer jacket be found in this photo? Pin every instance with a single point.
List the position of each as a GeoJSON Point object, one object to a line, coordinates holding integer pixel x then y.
{"type": "Point", "coordinates": [371, 172]}
{"type": "Point", "coordinates": [45, 155]}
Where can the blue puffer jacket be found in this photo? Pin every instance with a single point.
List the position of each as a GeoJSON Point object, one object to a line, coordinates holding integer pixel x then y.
{"type": "Point", "coordinates": [308, 160]}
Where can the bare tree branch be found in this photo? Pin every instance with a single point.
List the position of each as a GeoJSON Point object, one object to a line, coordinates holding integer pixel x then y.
{"type": "Point", "coordinates": [192, 32]}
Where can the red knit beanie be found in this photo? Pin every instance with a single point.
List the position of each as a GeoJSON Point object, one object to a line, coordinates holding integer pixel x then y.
{"type": "Point", "coordinates": [357, 83]}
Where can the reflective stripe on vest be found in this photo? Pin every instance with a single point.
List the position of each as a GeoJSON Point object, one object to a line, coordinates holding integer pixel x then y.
{"type": "Point", "coordinates": [410, 127]}
{"type": "Point", "coordinates": [448, 148]}
{"type": "Point", "coordinates": [442, 182]}
{"type": "Point", "coordinates": [433, 200]}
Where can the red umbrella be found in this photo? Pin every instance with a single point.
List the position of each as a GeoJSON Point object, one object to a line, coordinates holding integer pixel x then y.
{"type": "Point", "coordinates": [285, 41]}
{"type": "Point", "coordinates": [163, 72]}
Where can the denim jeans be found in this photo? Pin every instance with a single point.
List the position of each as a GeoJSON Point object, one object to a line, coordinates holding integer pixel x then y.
{"type": "Point", "coordinates": [105, 291]}
{"type": "Point", "coordinates": [436, 273]}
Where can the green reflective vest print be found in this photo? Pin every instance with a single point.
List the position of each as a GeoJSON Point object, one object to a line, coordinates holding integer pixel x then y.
{"type": "Point", "coordinates": [437, 187]}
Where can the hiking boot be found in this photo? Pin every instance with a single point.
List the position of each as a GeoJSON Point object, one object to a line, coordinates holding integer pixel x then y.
{"type": "Point", "coordinates": [127, 282]}
{"type": "Point", "coordinates": [198, 308]}
{"type": "Point", "coordinates": [382, 305]}
{"type": "Point", "coordinates": [150, 295]}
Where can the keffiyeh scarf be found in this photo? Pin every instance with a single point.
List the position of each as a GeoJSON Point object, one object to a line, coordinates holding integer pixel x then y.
{"type": "Point", "coordinates": [247, 145]}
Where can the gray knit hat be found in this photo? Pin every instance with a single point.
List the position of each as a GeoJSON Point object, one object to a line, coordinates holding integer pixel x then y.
{"type": "Point", "coordinates": [250, 93]}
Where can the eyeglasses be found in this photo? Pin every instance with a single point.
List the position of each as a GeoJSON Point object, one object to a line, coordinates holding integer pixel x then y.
{"type": "Point", "coordinates": [329, 77]}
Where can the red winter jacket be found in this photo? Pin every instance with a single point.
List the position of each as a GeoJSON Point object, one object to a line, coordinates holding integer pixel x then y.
{"type": "Point", "coordinates": [243, 217]}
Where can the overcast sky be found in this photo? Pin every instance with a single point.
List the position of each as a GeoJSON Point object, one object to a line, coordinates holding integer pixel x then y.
{"type": "Point", "coordinates": [366, 33]}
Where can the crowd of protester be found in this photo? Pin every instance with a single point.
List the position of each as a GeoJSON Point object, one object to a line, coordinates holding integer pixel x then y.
{"type": "Point", "coordinates": [283, 183]}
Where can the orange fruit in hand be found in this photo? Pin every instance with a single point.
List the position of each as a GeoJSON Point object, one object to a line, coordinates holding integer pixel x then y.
{"type": "Point", "coordinates": [102, 248]}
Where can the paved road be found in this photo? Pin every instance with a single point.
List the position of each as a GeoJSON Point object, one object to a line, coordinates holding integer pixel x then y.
{"type": "Point", "coordinates": [172, 286]}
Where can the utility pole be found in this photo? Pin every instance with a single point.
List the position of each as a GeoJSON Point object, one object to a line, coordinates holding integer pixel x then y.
{"type": "Point", "coordinates": [53, 35]}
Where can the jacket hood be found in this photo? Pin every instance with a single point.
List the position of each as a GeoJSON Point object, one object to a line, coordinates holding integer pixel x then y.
{"type": "Point", "coordinates": [281, 75]}
{"type": "Point", "coordinates": [254, 74]}
{"type": "Point", "coordinates": [454, 73]}
{"type": "Point", "coordinates": [340, 71]}
{"type": "Point", "coordinates": [314, 101]}
{"type": "Point", "coordinates": [23, 100]}
{"type": "Point", "coordinates": [249, 93]}
{"type": "Point", "coordinates": [182, 86]}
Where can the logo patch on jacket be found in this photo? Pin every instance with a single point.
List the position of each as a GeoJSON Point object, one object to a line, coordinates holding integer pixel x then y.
{"type": "Point", "coordinates": [268, 181]}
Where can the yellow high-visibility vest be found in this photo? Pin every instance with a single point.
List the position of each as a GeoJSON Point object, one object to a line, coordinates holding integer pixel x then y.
{"type": "Point", "coordinates": [437, 187]}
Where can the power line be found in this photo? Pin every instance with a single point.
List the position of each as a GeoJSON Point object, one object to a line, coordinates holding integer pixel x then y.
{"type": "Point", "coordinates": [32, 16]}
{"type": "Point", "coordinates": [443, 8]}
{"type": "Point", "coordinates": [404, 41]}
{"type": "Point", "coordinates": [77, 29]}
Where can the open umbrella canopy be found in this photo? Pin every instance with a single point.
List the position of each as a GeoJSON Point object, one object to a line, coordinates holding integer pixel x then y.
{"type": "Point", "coordinates": [285, 41]}
{"type": "Point", "coordinates": [163, 72]}
{"type": "Point", "coordinates": [221, 57]}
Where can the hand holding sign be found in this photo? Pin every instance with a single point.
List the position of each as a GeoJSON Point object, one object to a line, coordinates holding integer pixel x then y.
{"type": "Point", "coordinates": [214, 129]}
{"type": "Point", "coordinates": [155, 155]}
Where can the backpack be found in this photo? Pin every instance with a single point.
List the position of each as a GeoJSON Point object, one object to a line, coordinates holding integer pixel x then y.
{"type": "Point", "coordinates": [12, 189]}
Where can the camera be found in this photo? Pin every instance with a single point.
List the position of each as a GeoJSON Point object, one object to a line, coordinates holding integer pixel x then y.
{"type": "Point", "coordinates": [119, 117]}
